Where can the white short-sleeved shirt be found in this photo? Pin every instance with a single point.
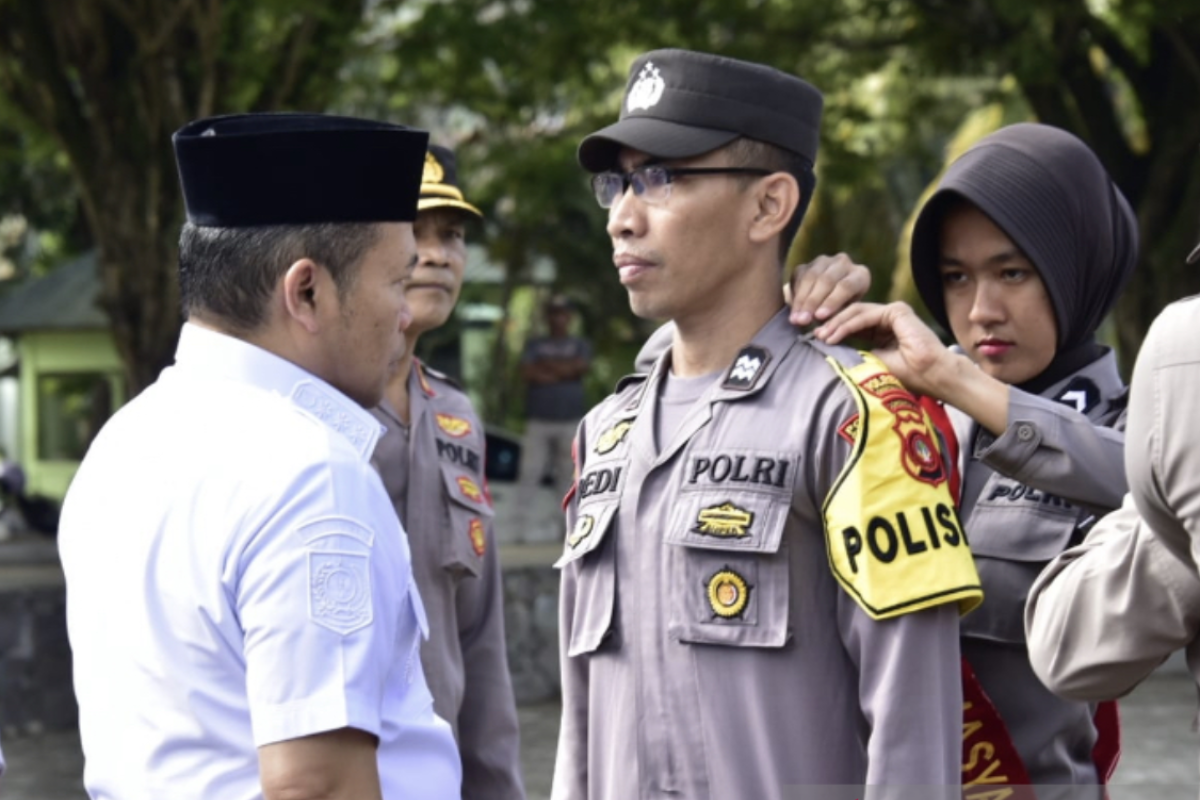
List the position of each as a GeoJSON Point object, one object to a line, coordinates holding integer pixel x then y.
{"type": "Point", "coordinates": [236, 576]}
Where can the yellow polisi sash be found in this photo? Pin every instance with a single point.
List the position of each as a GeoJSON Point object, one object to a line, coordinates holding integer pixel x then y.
{"type": "Point", "coordinates": [894, 539]}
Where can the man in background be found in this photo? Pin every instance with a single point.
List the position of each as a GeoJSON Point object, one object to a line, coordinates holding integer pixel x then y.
{"type": "Point", "coordinates": [552, 367]}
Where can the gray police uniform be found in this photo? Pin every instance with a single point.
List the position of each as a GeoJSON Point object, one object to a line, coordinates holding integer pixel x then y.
{"type": "Point", "coordinates": [433, 470]}
{"type": "Point", "coordinates": [1103, 615]}
{"type": "Point", "coordinates": [1026, 494]}
{"type": "Point", "coordinates": [708, 651]}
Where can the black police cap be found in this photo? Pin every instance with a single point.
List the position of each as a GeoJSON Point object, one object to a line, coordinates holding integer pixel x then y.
{"type": "Point", "coordinates": [293, 169]}
{"type": "Point", "coordinates": [680, 104]}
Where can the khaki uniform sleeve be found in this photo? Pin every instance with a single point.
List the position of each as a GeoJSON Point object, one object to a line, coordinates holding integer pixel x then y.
{"type": "Point", "coordinates": [1104, 614]}
{"type": "Point", "coordinates": [488, 731]}
{"type": "Point", "coordinates": [1163, 457]}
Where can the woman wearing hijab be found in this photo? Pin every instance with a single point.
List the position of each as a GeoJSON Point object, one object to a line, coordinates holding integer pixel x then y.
{"type": "Point", "coordinates": [1020, 253]}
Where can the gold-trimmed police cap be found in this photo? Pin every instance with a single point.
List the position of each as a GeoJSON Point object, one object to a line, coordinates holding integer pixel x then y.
{"type": "Point", "coordinates": [295, 169]}
{"type": "Point", "coordinates": [439, 183]}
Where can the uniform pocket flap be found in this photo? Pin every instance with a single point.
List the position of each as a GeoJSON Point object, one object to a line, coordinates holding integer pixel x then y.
{"type": "Point", "coordinates": [591, 525]}
{"type": "Point", "coordinates": [731, 521]}
{"type": "Point", "coordinates": [466, 489]}
{"type": "Point", "coordinates": [1015, 522]}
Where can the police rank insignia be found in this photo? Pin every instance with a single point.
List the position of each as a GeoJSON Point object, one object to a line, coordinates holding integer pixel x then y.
{"type": "Point", "coordinates": [475, 533]}
{"type": "Point", "coordinates": [583, 529]}
{"type": "Point", "coordinates": [725, 521]}
{"type": "Point", "coordinates": [469, 488]}
{"type": "Point", "coordinates": [746, 368]}
{"type": "Point", "coordinates": [453, 426]}
{"type": "Point", "coordinates": [728, 594]}
{"type": "Point", "coordinates": [612, 437]}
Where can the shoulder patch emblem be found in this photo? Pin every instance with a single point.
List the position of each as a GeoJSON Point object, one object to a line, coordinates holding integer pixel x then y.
{"type": "Point", "coordinates": [339, 591]}
{"type": "Point", "coordinates": [883, 384]}
{"type": "Point", "coordinates": [469, 489]}
{"type": "Point", "coordinates": [612, 437]}
{"type": "Point", "coordinates": [746, 368]}
{"type": "Point", "coordinates": [728, 594]}
{"type": "Point", "coordinates": [583, 529]}
{"type": "Point", "coordinates": [453, 426]}
{"type": "Point", "coordinates": [725, 521]}
{"type": "Point", "coordinates": [475, 532]}
{"type": "Point", "coordinates": [920, 454]}
{"type": "Point", "coordinates": [848, 430]}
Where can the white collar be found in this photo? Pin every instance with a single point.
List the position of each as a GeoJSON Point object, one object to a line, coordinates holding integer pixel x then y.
{"type": "Point", "coordinates": [203, 351]}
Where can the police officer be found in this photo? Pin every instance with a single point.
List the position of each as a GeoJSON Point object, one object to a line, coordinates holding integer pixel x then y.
{"type": "Point", "coordinates": [1021, 252]}
{"type": "Point", "coordinates": [1105, 614]}
{"type": "Point", "coordinates": [431, 462]}
{"type": "Point", "coordinates": [241, 607]}
{"type": "Point", "coordinates": [753, 599]}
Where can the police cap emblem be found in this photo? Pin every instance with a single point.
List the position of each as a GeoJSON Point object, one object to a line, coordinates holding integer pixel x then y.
{"type": "Point", "coordinates": [647, 90]}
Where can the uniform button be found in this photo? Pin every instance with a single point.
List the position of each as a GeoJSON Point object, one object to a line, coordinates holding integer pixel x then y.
{"type": "Point", "coordinates": [1024, 433]}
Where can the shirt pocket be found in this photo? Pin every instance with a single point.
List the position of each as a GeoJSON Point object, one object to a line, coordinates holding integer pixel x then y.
{"type": "Point", "coordinates": [594, 570]}
{"type": "Point", "coordinates": [1014, 522]}
{"type": "Point", "coordinates": [729, 569]}
{"type": "Point", "coordinates": [469, 513]}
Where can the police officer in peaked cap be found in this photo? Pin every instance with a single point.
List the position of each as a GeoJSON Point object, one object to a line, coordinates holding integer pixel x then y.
{"type": "Point", "coordinates": [431, 459]}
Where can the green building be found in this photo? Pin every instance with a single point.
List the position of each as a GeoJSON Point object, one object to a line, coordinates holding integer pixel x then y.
{"type": "Point", "coordinates": [68, 377]}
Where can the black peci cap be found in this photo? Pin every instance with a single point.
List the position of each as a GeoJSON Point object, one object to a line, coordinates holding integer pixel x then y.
{"type": "Point", "coordinates": [680, 104]}
{"type": "Point", "coordinates": [292, 169]}
{"type": "Point", "coordinates": [439, 183]}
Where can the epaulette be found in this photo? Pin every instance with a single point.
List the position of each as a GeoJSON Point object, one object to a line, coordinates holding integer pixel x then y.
{"type": "Point", "coordinates": [424, 372]}
{"type": "Point", "coordinates": [629, 380]}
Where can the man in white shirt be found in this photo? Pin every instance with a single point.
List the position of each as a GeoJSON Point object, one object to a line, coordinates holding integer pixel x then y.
{"type": "Point", "coordinates": [241, 607]}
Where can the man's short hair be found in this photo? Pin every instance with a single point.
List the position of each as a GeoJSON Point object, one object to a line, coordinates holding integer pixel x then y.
{"type": "Point", "coordinates": [231, 273]}
{"type": "Point", "coordinates": [744, 152]}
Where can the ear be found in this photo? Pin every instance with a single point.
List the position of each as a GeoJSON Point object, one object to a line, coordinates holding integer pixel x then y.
{"type": "Point", "coordinates": [777, 196]}
{"type": "Point", "coordinates": [303, 289]}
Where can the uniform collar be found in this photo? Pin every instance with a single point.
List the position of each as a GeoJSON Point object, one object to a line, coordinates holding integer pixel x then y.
{"type": "Point", "coordinates": [208, 353]}
{"type": "Point", "coordinates": [749, 372]}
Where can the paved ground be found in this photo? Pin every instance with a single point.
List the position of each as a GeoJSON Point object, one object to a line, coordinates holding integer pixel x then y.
{"type": "Point", "coordinates": [1159, 762]}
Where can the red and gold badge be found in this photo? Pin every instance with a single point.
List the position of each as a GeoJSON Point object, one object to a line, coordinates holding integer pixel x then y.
{"type": "Point", "coordinates": [453, 426]}
{"type": "Point", "coordinates": [469, 488]}
{"type": "Point", "coordinates": [475, 532]}
{"type": "Point", "coordinates": [919, 454]}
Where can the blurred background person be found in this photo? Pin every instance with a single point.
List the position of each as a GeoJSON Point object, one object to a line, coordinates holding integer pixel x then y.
{"type": "Point", "coordinates": [553, 367]}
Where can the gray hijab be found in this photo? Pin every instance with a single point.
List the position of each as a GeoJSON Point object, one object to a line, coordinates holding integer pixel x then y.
{"type": "Point", "coordinates": [1050, 194]}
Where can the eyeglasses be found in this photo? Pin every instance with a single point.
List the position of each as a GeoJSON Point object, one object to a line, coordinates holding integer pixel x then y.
{"type": "Point", "coordinates": [652, 182]}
